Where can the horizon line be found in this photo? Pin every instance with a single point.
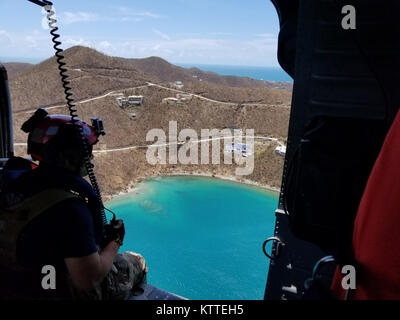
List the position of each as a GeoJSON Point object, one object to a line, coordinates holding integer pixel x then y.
{"type": "Point", "coordinates": [38, 60]}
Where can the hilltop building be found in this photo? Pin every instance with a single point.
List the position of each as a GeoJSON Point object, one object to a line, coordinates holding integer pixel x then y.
{"type": "Point", "coordinates": [178, 84]}
{"type": "Point", "coordinates": [135, 100]}
{"type": "Point", "coordinates": [180, 98]}
{"type": "Point", "coordinates": [280, 150]}
{"type": "Point", "coordinates": [171, 100]}
{"type": "Point", "coordinates": [124, 102]}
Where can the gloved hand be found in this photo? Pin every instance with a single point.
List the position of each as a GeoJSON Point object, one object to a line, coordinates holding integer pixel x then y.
{"type": "Point", "coordinates": [113, 231]}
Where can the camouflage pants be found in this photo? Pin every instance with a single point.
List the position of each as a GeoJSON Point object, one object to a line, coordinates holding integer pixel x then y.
{"type": "Point", "coordinates": [129, 270]}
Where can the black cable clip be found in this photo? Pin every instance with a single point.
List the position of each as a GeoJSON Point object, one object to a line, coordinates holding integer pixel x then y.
{"type": "Point", "coordinates": [41, 3]}
{"type": "Point", "coordinates": [98, 126]}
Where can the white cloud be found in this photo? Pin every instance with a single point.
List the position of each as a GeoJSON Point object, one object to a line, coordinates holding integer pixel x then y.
{"type": "Point", "coordinates": [190, 49]}
{"type": "Point", "coordinates": [29, 44]}
{"type": "Point", "coordinates": [124, 19]}
{"type": "Point", "coordinates": [200, 50]}
{"type": "Point", "coordinates": [104, 46]}
{"type": "Point", "coordinates": [70, 42]}
{"type": "Point", "coordinates": [123, 14]}
{"type": "Point", "coordinates": [126, 15]}
{"type": "Point", "coordinates": [161, 34]}
{"type": "Point", "coordinates": [147, 14]}
{"type": "Point", "coordinates": [5, 37]}
{"type": "Point", "coordinates": [72, 17]}
{"type": "Point", "coordinates": [139, 14]}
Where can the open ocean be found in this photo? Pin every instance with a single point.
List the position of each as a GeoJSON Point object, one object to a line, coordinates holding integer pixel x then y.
{"type": "Point", "coordinates": [201, 237]}
{"type": "Point", "coordinates": [259, 73]}
{"type": "Point", "coordinates": [18, 59]}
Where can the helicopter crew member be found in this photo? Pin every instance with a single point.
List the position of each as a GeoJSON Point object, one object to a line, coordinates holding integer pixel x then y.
{"type": "Point", "coordinates": [52, 218]}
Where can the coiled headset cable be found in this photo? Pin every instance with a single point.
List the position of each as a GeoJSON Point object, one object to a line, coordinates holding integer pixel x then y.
{"type": "Point", "coordinates": [48, 6]}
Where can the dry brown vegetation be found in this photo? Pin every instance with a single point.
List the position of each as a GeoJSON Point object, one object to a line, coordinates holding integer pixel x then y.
{"type": "Point", "coordinates": [165, 72]}
{"type": "Point", "coordinates": [269, 116]}
{"type": "Point", "coordinates": [93, 73]}
{"type": "Point", "coordinates": [267, 169]}
{"type": "Point", "coordinates": [240, 95]}
{"type": "Point", "coordinates": [15, 67]}
{"type": "Point", "coordinates": [123, 130]}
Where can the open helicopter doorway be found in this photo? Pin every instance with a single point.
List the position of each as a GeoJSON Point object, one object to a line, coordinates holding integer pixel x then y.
{"type": "Point", "coordinates": [243, 110]}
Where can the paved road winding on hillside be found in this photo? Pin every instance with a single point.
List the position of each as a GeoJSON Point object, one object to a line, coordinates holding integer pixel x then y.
{"type": "Point", "coordinates": [149, 84]}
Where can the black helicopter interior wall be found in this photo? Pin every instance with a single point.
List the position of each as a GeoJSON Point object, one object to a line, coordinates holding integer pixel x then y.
{"type": "Point", "coordinates": [340, 76]}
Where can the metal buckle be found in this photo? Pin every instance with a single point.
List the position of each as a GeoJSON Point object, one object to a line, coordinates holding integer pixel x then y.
{"type": "Point", "coordinates": [276, 247]}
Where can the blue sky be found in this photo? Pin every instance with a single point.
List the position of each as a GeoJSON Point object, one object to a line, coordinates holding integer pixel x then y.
{"type": "Point", "coordinates": [229, 32]}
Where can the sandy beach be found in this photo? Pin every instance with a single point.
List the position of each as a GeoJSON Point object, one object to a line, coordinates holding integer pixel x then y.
{"type": "Point", "coordinates": [133, 185]}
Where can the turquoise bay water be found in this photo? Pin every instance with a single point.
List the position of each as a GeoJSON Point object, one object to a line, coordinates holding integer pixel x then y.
{"type": "Point", "coordinates": [201, 237]}
{"type": "Point", "coordinates": [259, 73]}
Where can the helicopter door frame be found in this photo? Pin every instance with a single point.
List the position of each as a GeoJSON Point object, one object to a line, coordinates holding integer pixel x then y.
{"type": "Point", "coordinates": [6, 121]}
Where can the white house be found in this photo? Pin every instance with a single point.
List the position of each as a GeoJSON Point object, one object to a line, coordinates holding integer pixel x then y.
{"type": "Point", "coordinates": [170, 100]}
{"type": "Point", "coordinates": [178, 84]}
{"type": "Point", "coordinates": [135, 100]}
{"type": "Point", "coordinates": [280, 150]}
{"type": "Point", "coordinates": [122, 102]}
